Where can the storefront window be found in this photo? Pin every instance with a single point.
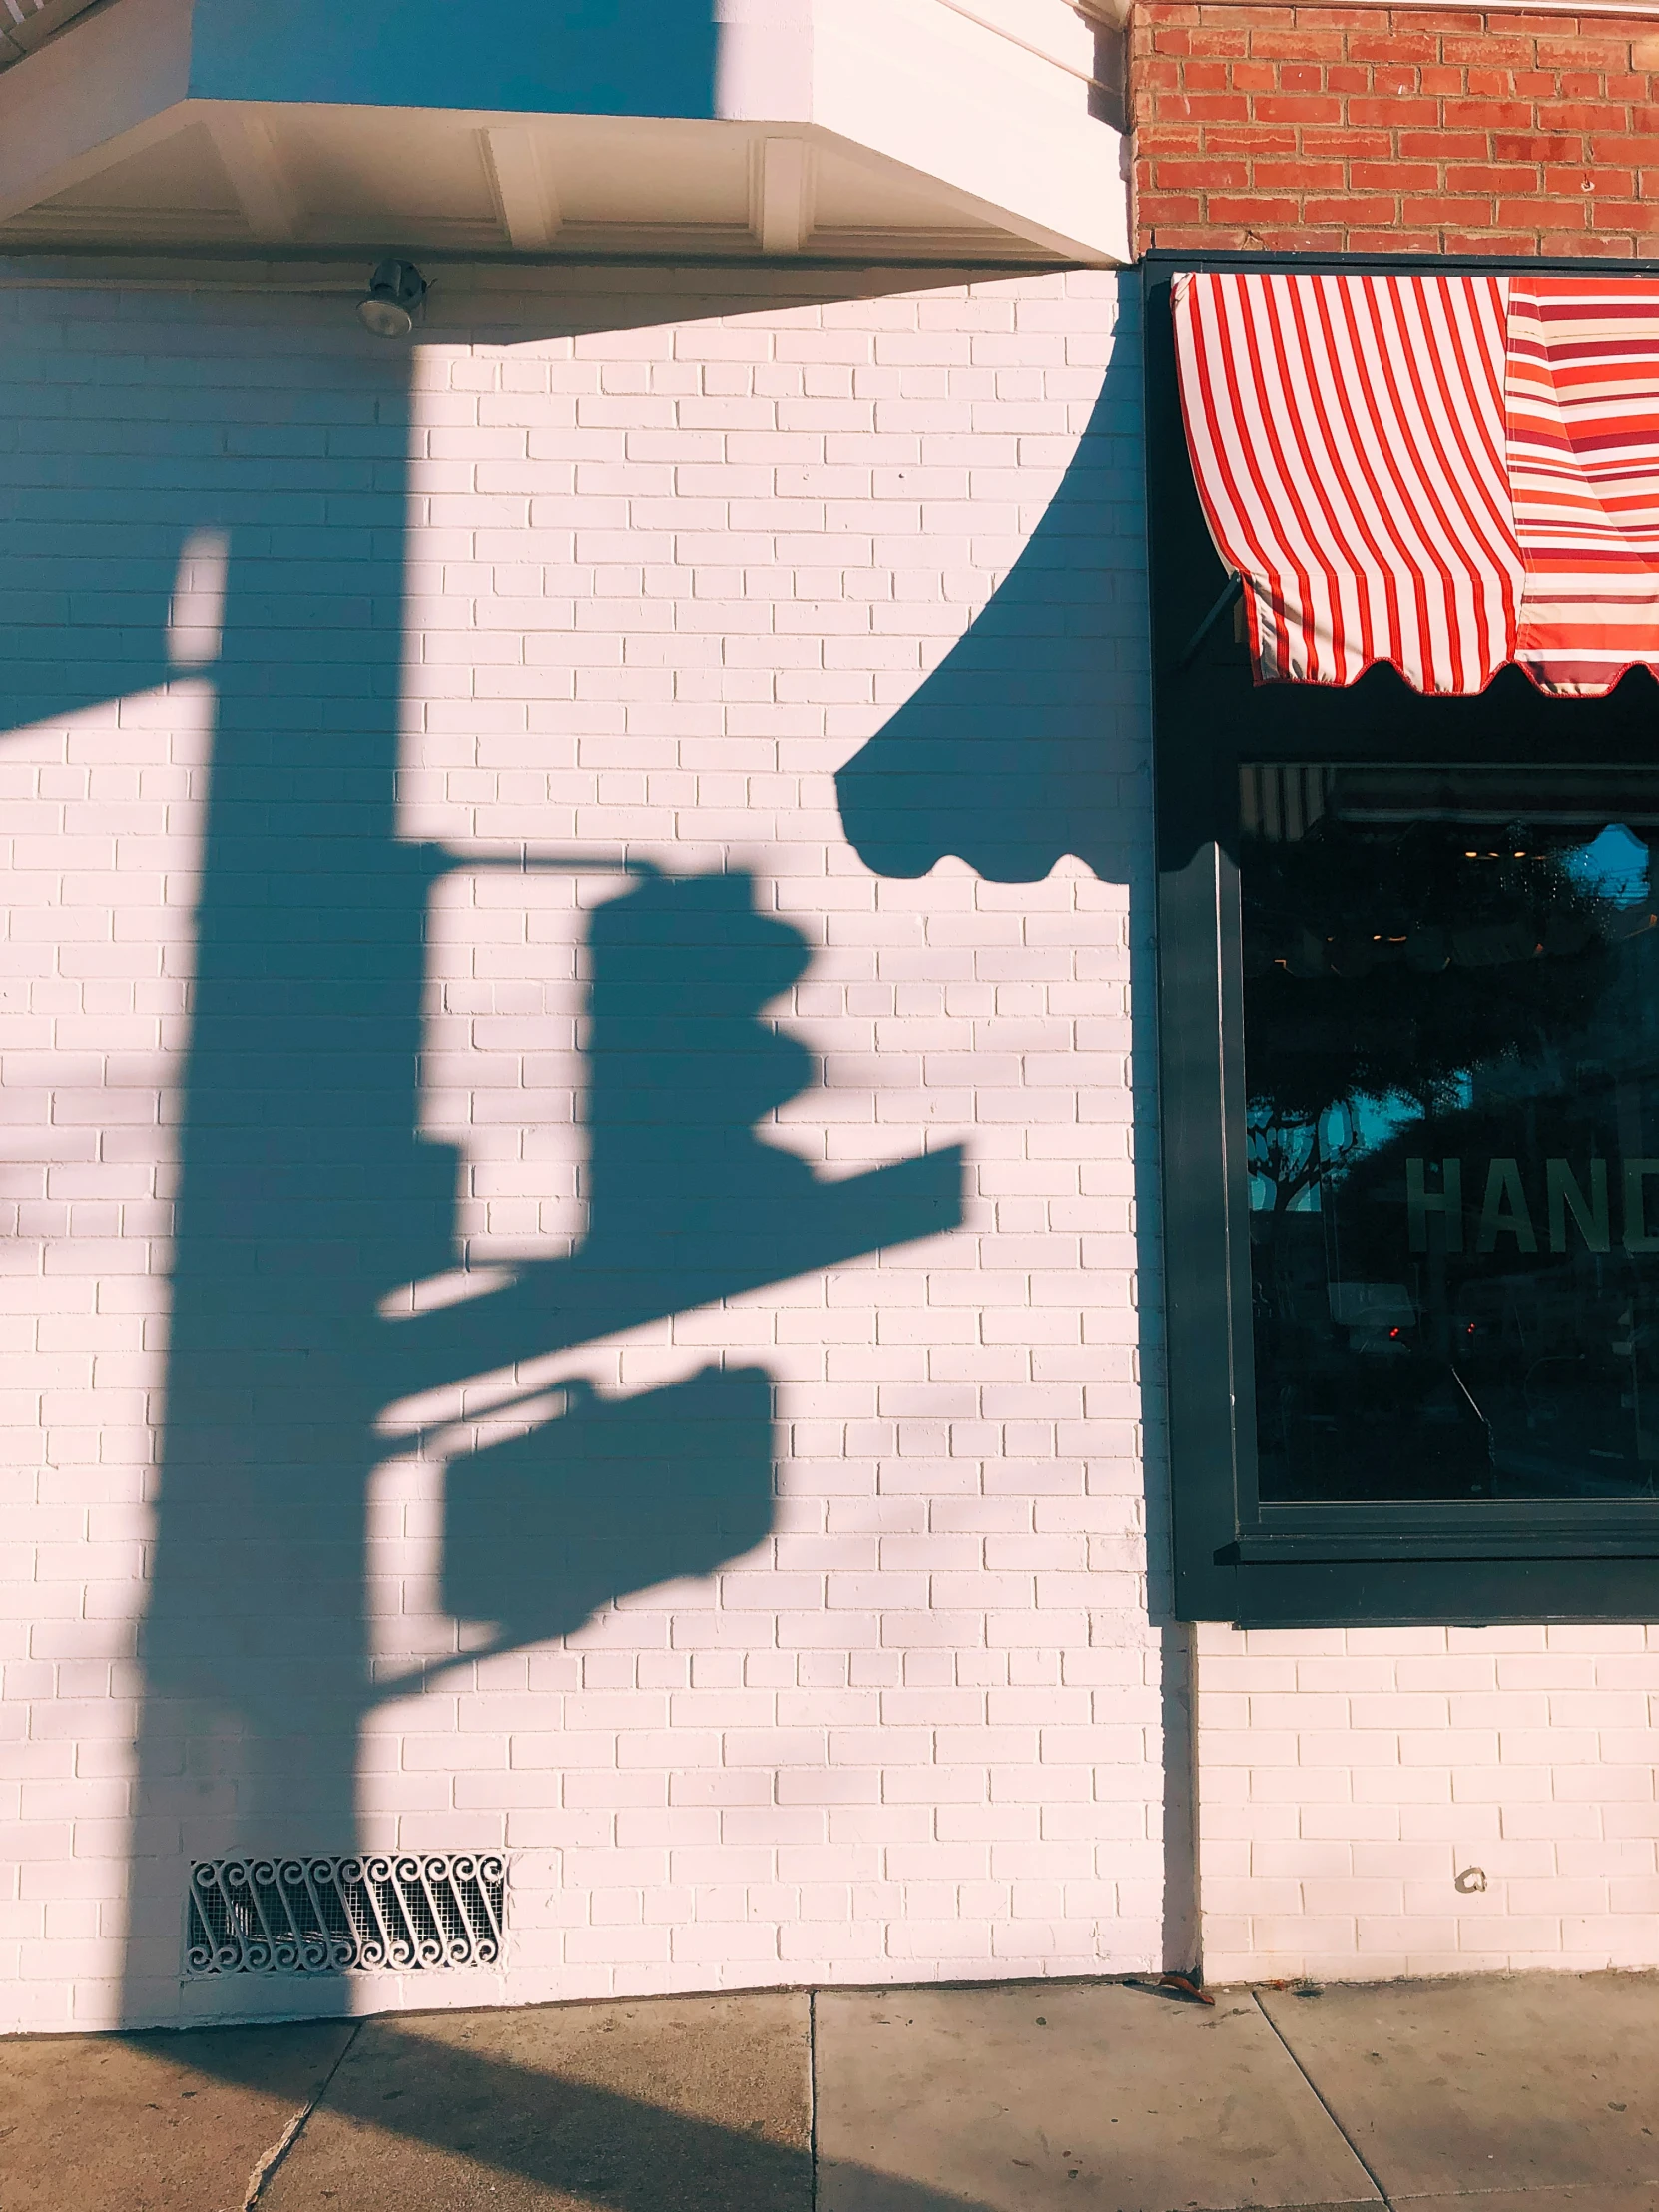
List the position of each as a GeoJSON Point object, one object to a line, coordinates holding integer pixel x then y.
{"type": "Point", "coordinates": [1451, 988]}
{"type": "Point", "coordinates": [1407, 964]}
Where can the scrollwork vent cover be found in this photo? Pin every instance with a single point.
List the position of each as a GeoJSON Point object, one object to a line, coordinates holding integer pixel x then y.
{"type": "Point", "coordinates": [369, 1912]}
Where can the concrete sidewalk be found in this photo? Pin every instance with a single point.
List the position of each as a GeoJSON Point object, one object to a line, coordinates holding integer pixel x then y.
{"type": "Point", "coordinates": [1538, 2095]}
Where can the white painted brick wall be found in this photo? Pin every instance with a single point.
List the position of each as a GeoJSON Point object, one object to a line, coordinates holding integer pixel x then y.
{"type": "Point", "coordinates": [1348, 1777]}
{"type": "Point", "coordinates": [102, 824]}
{"type": "Point", "coordinates": [667, 571]}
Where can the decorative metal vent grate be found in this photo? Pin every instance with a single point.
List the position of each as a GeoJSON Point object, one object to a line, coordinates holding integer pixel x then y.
{"type": "Point", "coordinates": [396, 1913]}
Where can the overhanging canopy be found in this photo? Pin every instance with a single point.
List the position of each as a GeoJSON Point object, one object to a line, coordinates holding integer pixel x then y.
{"type": "Point", "coordinates": [961, 131]}
{"type": "Point", "coordinates": [1442, 472]}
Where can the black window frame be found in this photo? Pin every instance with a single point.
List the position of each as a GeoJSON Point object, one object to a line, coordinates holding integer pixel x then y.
{"type": "Point", "coordinates": [1309, 1564]}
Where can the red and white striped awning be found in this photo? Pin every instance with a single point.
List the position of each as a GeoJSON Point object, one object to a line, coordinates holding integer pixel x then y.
{"type": "Point", "coordinates": [1445, 472]}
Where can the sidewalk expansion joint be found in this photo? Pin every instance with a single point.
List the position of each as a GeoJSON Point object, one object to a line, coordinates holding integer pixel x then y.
{"type": "Point", "coordinates": [1325, 2106]}
{"type": "Point", "coordinates": [270, 2160]}
{"type": "Point", "coordinates": [811, 2091]}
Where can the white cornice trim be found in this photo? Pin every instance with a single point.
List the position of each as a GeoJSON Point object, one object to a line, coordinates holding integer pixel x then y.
{"type": "Point", "coordinates": [998, 30]}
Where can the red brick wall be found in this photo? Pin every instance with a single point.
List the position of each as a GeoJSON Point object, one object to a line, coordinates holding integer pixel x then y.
{"type": "Point", "coordinates": [1388, 130]}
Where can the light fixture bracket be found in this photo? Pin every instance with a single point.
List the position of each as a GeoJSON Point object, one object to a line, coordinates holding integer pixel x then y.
{"type": "Point", "coordinates": [395, 290]}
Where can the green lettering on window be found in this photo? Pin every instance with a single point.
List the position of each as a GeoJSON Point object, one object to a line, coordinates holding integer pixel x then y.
{"type": "Point", "coordinates": [1503, 1212]}
{"type": "Point", "coordinates": [1566, 1197]}
{"type": "Point", "coordinates": [1447, 1200]}
{"type": "Point", "coordinates": [1636, 1237]}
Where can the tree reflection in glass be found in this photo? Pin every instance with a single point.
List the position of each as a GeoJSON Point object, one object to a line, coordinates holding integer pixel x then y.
{"type": "Point", "coordinates": [1451, 1047]}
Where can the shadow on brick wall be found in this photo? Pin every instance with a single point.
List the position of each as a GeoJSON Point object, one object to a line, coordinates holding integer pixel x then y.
{"type": "Point", "coordinates": [307, 1197]}
{"type": "Point", "coordinates": [1029, 742]}
{"type": "Point", "coordinates": [1028, 745]}
{"type": "Point", "coordinates": [686, 1206]}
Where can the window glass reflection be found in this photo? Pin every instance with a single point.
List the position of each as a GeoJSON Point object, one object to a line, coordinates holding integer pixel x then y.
{"type": "Point", "coordinates": [1451, 1053]}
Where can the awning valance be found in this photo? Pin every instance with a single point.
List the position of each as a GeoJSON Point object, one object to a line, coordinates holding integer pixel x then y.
{"type": "Point", "coordinates": [1444, 472]}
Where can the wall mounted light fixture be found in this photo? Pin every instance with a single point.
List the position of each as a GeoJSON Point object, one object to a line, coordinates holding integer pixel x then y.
{"type": "Point", "coordinates": [395, 290]}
